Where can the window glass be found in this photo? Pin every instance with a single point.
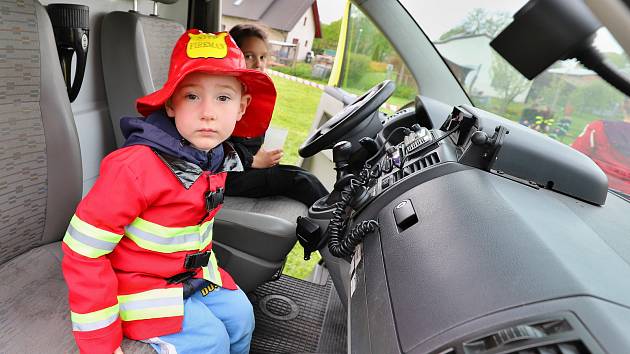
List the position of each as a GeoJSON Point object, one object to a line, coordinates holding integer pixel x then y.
{"type": "Point", "coordinates": [371, 59]}
{"type": "Point", "coordinates": [567, 102]}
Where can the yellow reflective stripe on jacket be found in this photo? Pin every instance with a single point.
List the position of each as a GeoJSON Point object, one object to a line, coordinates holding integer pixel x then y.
{"type": "Point", "coordinates": [164, 239]}
{"type": "Point", "coordinates": [211, 272]}
{"type": "Point", "coordinates": [88, 240]}
{"type": "Point", "coordinates": [91, 321]}
{"type": "Point", "coordinates": [157, 303]}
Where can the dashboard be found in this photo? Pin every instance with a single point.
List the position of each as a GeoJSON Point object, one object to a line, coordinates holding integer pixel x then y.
{"type": "Point", "coordinates": [490, 239]}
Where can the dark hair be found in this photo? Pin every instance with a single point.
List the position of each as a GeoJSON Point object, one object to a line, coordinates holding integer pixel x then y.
{"type": "Point", "coordinates": [246, 30]}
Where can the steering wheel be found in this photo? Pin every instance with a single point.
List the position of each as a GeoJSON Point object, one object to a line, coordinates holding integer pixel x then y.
{"type": "Point", "coordinates": [348, 118]}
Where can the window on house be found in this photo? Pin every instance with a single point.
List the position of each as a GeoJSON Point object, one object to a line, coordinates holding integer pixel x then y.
{"type": "Point", "coordinates": [304, 24]}
{"type": "Point", "coordinates": [306, 43]}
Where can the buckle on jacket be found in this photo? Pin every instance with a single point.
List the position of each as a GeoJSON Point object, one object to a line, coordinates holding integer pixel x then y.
{"type": "Point", "coordinates": [214, 199]}
{"type": "Point", "coordinates": [181, 277]}
{"type": "Point", "coordinates": [197, 260]}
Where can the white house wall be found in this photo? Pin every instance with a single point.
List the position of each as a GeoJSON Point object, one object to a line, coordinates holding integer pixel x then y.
{"type": "Point", "coordinates": [227, 22]}
{"type": "Point", "coordinates": [304, 32]}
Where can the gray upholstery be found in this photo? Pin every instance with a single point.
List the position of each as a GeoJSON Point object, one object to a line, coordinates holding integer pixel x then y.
{"type": "Point", "coordinates": [31, 99]}
{"type": "Point", "coordinates": [135, 50]}
{"type": "Point", "coordinates": [23, 147]}
{"type": "Point", "coordinates": [40, 185]}
{"type": "Point", "coordinates": [40, 182]}
{"type": "Point", "coordinates": [281, 207]}
{"type": "Point", "coordinates": [34, 300]}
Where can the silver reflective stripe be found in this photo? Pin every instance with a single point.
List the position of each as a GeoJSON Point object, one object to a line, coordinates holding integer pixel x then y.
{"type": "Point", "coordinates": [84, 327]}
{"type": "Point", "coordinates": [144, 304]}
{"type": "Point", "coordinates": [89, 240]}
{"type": "Point", "coordinates": [206, 233]}
{"type": "Point", "coordinates": [177, 240]}
{"type": "Point", "coordinates": [210, 273]}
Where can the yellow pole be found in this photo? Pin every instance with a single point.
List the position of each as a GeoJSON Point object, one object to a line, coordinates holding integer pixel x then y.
{"type": "Point", "coordinates": [335, 73]}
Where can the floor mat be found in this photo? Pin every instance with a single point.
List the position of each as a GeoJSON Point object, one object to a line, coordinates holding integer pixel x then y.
{"type": "Point", "coordinates": [289, 316]}
{"type": "Point", "coordinates": [333, 339]}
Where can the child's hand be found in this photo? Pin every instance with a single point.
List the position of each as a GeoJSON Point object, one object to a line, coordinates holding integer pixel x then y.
{"type": "Point", "coordinates": [118, 351]}
{"type": "Point", "coordinates": [267, 158]}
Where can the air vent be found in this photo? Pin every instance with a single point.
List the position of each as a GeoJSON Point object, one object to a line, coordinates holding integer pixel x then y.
{"type": "Point", "coordinates": [447, 351]}
{"type": "Point", "coordinates": [575, 347]}
{"type": "Point", "coordinates": [417, 165]}
{"type": "Point", "coordinates": [515, 334]}
{"type": "Point", "coordinates": [562, 334]}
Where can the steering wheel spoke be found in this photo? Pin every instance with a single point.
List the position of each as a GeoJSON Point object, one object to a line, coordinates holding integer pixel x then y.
{"type": "Point", "coordinates": [347, 119]}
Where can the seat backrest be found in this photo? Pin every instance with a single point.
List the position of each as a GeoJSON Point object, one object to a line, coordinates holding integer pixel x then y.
{"type": "Point", "coordinates": [40, 178]}
{"type": "Point", "coordinates": [135, 51]}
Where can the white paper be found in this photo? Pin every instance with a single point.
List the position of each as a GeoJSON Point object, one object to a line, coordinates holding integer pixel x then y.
{"type": "Point", "coordinates": [274, 138]}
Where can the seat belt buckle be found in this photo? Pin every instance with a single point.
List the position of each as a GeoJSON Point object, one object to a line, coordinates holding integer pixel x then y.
{"type": "Point", "coordinates": [197, 260]}
{"type": "Point", "coordinates": [214, 199]}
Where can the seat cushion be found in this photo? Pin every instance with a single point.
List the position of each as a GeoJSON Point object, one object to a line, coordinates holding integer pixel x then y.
{"type": "Point", "coordinates": [34, 312]}
{"type": "Point", "coordinates": [282, 207]}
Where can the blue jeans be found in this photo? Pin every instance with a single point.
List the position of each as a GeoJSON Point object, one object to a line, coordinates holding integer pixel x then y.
{"type": "Point", "coordinates": [221, 322]}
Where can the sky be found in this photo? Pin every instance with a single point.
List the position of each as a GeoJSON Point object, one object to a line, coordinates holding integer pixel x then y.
{"type": "Point", "coordinates": [330, 10]}
{"type": "Point", "coordinates": [446, 14]}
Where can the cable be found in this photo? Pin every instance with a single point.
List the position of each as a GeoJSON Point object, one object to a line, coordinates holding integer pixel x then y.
{"type": "Point", "coordinates": [376, 155]}
{"type": "Point", "coordinates": [338, 245]}
{"type": "Point", "coordinates": [446, 135]}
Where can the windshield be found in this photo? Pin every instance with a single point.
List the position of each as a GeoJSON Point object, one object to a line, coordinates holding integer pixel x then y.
{"type": "Point", "coordinates": [567, 102]}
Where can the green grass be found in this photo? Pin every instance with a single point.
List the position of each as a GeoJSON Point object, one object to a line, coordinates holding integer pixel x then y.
{"type": "Point", "coordinates": [295, 109]}
{"type": "Point", "coordinates": [302, 70]}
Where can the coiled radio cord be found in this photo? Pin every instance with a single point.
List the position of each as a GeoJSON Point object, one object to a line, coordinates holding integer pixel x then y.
{"type": "Point", "coordinates": [338, 245]}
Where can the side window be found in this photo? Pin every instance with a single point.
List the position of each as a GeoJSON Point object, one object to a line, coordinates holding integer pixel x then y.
{"type": "Point", "coordinates": [370, 59]}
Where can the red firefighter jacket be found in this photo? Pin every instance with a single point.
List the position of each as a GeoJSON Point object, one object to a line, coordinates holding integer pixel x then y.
{"type": "Point", "coordinates": [607, 143]}
{"type": "Point", "coordinates": [145, 213]}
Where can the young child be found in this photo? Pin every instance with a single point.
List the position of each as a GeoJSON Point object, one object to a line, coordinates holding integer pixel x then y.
{"type": "Point", "coordinates": [138, 248]}
{"type": "Point", "coordinates": [263, 176]}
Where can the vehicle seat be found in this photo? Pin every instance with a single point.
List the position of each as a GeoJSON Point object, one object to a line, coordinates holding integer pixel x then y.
{"type": "Point", "coordinates": [40, 185]}
{"type": "Point", "coordinates": [135, 52]}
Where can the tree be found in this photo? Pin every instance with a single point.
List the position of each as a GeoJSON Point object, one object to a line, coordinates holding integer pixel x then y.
{"type": "Point", "coordinates": [597, 97]}
{"type": "Point", "coordinates": [479, 21]}
{"type": "Point", "coordinates": [620, 60]}
{"type": "Point", "coordinates": [330, 37]}
{"type": "Point", "coordinates": [507, 81]}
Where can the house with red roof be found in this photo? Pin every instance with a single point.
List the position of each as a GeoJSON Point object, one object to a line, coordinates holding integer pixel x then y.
{"type": "Point", "coordinates": [295, 22]}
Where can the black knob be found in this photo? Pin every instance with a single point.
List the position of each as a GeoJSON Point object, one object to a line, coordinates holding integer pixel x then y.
{"type": "Point", "coordinates": [341, 154]}
{"type": "Point", "coordinates": [341, 157]}
{"type": "Point", "coordinates": [369, 144]}
{"type": "Point", "coordinates": [479, 138]}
